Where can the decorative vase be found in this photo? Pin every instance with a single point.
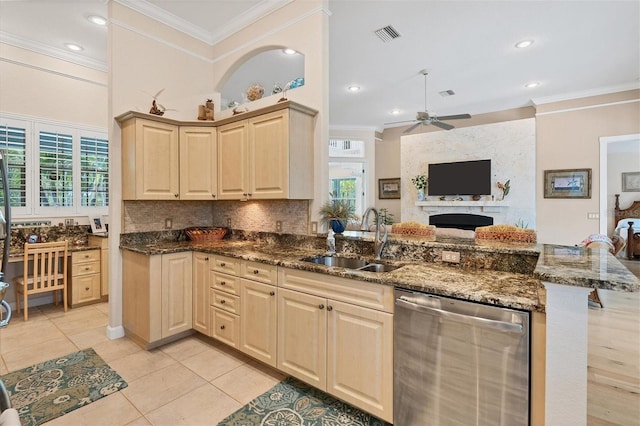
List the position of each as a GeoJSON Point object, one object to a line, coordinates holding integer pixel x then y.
{"type": "Point", "coordinates": [420, 194]}
{"type": "Point", "coordinates": [255, 92]}
{"type": "Point", "coordinates": [337, 226]}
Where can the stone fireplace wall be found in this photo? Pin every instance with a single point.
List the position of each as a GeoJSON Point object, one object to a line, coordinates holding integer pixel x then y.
{"type": "Point", "coordinates": [510, 145]}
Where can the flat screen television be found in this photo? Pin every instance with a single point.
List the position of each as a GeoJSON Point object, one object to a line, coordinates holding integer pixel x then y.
{"type": "Point", "coordinates": [460, 178]}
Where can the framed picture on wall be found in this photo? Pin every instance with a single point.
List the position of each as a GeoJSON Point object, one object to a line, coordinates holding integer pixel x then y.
{"type": "Point", "coordinates": [567, 183]}
{"type": "Point", "coordinates": [389, 188]}
{"type": "Point", "coordinates": [97, 227]}
{"type": "Point", "coordinates": [631, 182]}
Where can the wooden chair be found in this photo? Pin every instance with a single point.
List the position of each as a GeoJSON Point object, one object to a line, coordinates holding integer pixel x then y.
{"type": "Point", "coordinates": [49, 273]}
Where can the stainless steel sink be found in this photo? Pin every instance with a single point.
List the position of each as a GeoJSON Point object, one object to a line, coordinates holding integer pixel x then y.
{"type": "Point", "coordinates": [378, 267]}
{"type": "Point", "coordinates": [342, 262]}
{"type": "Point", "coordinates": [350, 263]}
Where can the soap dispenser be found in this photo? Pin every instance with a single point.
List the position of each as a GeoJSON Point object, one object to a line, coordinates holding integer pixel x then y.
{"type": "Point", "coordinates": [331, 242]}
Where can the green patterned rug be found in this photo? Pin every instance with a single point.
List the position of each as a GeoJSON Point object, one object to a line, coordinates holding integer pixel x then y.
{"type": "Point", "coordinates": [52, 388]}
{"type": "Point", "coordinates": [294, 403]}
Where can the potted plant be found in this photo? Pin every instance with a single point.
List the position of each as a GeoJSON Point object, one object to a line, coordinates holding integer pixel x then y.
{"type": "Point", "coordinates": [420, 182]}
{"type": "Point", "coordinates": [336, 213]}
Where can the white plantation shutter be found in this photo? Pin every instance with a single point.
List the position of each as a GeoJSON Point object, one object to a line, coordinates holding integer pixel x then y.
{"type": "Point", "coordinates": [13, 143]}
{"type": "Point", "coordinates": [94, 171]}
{"type": "Point", "coordinates": [56, 169]}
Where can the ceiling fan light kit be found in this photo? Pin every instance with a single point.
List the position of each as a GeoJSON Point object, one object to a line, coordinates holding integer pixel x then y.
{"type": "Point", "coordinates": [424, 118]}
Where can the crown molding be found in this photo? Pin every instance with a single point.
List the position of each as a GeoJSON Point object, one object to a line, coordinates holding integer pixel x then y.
{"type": "Point", "coordinates": [52, 51]}
{"type": "Point", "coordinates": [585, 93]}
{"type": "Point", "coordinates": [242, 21]}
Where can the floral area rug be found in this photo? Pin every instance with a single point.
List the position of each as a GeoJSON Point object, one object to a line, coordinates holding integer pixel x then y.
{"type": "Point", "coordinates": [294, 403]}
{"type": "Point", "coordinates": [52, 388]}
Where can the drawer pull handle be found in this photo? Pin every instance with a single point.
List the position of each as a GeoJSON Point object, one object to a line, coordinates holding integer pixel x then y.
{"type": "Point", "coordinates": [321, 306]}
{"type": "Point", "coordinates": [255, 271]}
{"type": "Point", "coordinates": [222, 327]}
{"type": "Point", "coordinates": [329, 308]}
{"type": "Point", "coordinates": [222, 302]}
{"type": "Point", "coordinates": [272, 293]}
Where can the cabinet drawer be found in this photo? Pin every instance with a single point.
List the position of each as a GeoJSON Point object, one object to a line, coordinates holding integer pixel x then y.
{"type": "Point", "coordinates": [85, 289]}
{"type": "Point", "coordinates": [85, 268]}
{"type": "Point", "coordinates": [261, 272]}
{"type": "Point", "coordinates": [368, 295]}
{"type": "Point", "coordinates": [225, 301]}
{"type": "Point", "coordinates": [225, 327]}
{"type": "Point", "coordinates": [228, 265]}
{"type": "Point", "coordinates": [224, 282]}
{"type": "Point", "coordinates": [85, 256]}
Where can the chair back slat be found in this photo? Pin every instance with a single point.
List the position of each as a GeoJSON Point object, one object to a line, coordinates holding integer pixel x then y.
{"type": "Point", "coordinates": [49, 265]}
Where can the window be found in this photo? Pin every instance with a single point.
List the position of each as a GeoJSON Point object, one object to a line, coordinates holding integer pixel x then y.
{"type": "Point", "coordinates": [54, 169]}
{"type": "Point", "coordinates": [346, 176]}
{"type": "Point", "coordinates": [13, 144]}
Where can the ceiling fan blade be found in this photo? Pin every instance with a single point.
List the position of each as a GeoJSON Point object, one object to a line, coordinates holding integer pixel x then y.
{"type": "Point", "coordinates": [454, 117]}
{"type": "Point", "coordinates": [444, 126]}
{"type": "Point", "coordinates": [412, 127]}
{"type": "Point", "coordinates": [398, 122]}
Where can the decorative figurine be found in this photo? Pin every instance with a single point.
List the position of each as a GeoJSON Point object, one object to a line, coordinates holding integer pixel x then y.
{"type": "Point", "coordinates": [205, 112]}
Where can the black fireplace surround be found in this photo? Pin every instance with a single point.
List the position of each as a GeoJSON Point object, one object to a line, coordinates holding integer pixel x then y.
{"type": "Point", "coordinates": [460, 220]}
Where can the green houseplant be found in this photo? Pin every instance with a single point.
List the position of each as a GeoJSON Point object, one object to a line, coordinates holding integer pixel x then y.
{"type": "Point", "coordinates": [336, 213]}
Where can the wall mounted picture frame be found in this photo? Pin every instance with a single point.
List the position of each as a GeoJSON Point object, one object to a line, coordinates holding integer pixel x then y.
{"type": "Point", "coordinates": [97, 227]}
{"type": "Point", "coordinates": [567, 183]}
{"type": "Point", "coordinates": [389, 188]}
{"type": "Point", "coordinates": [631, 182]}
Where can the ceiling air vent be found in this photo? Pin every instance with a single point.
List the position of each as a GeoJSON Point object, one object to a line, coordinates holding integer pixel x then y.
{"type": "Point", "coordinates": [446, 93]}
{"type": "Point", "coordinates": [388, 33]}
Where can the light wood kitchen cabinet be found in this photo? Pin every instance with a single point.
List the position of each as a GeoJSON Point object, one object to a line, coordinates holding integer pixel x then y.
{"type": "Point", "coordinates": [150, 160]}
{"type": "Point", "coordinates": [163, 159]}
{"type": "Point", "coordinates": [156, 296]}
{"type": "Point", "coordinates": [337, 335]}
{"type": "Point", "coordinates": [201, 292]}
{"type": "Point", "coordinates": [84, 278]}
{"type": "Point", "coordinates": [103, 243]}
{"type": "Point", "coordinates": [224, 300]}
{"type": "Point", "coordinates": [268, 156]}
{"type": "Point", "coordinates": [198, 163]}
{"type": "Point", "coordinates": [258, 333]}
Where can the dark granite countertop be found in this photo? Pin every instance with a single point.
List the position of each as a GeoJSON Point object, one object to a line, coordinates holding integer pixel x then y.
{"type": "Point", "coordinates": [558, 264]}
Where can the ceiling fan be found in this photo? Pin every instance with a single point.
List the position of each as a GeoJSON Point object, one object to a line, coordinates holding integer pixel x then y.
{"type": "Point", "coordinates": [424, 118]}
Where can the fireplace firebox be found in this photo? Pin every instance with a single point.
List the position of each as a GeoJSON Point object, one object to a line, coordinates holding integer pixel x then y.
{"type": "Point", "coordinates": [460, 220]}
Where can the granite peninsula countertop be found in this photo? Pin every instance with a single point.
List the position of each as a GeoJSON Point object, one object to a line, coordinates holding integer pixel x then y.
{"type": "Point", "coordinates": [558, 264]}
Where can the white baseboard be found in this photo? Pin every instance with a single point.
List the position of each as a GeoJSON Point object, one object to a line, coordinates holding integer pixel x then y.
{"type": "Point", "coordinates": [115, 332]}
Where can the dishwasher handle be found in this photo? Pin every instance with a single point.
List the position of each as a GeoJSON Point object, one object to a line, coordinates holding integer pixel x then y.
{"type": "Point", "coordinates": [467, 319]}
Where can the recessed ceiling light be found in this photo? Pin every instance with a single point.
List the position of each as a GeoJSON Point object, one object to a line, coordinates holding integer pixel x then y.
{"type": "Point", "coordinates": [532, 84]}
{"type": "Point", "coordinates": [74, 47]}
{"type": "Point", "coordinates": [353, 88]}
{"type": "Point", "coordinates": [289, 51]}
{"type": "Point", "coordinates": [395, 111]}
{"type": "Point", "coordinates": [523, 44]}
{"type": "Point", "coordinates": [98, 20]}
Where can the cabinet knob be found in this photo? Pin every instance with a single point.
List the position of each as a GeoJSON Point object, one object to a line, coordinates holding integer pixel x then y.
{"type": "Point", "coordinates": [272, 293]}
{"type": "Point", "coordinates": [321, 306]}
{"type": "Point", "coordinates": [255, 271]}
{"type": "Point", "coordinates": [245, 194]}
{"type": "Point", "coordinates": [249, 194]}
{"type": "Point", "coordinates": [222, 327]}
{"type": "Point", "coordinates": [86, 288]}
{"type": "Point", "coordinates": [86, 268]}
{"type": "Point", "coordinates": [223, 283]}
{"type": "Point", "coordinates": [329, 308]}
{"type": "Point", "coordinates": [222, 302]}
{"type": "Point", "coordinates": [176, 195]}
{"type": "Point", "coordinates": [206, 258]}
{"type": "Point", "coordinates": [213, 195]}
{"type": "Point", "coordinates": [222, 264]}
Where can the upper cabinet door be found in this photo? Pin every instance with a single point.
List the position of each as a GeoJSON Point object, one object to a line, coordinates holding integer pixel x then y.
{"type": "Point", "coordinates": [233, 174]}
{"type": "Point", "coordinates": [198, 163]}
{"type": "Point", "coordinates": [269, 155]}
{"type": "Point", "coordinates": [149, 160]}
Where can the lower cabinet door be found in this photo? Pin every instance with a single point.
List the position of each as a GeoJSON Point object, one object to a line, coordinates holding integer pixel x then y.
{"type": "Point", "coordinates": [360, 357]}
{"type": "Point", "coordinates": [85, 288]}
{"type": "Point", "coordinates": [225, 327]}
{"type": "Point", "coordinates": [302, 336]}
{"type": "Point", "coordinates": [258, 325]}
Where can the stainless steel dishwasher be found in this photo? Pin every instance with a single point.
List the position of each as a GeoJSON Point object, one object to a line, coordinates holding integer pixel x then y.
{"type": "Point", "coordinates": [459, 363]}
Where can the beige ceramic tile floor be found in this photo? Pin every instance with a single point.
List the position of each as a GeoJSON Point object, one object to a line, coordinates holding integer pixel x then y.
{"type": "Point", "coordinates": [194, 381]}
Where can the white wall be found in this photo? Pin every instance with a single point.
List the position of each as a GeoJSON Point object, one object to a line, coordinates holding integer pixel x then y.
{"type": "Point", "coordinates": [511, 148]}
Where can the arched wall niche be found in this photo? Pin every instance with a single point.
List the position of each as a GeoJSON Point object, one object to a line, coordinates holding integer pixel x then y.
{"type": "Point", "coordinates": [267, 66]}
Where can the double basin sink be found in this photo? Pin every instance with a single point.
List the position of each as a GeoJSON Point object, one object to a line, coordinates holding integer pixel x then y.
{"type": "Point", "coordinates": [350, 263]}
